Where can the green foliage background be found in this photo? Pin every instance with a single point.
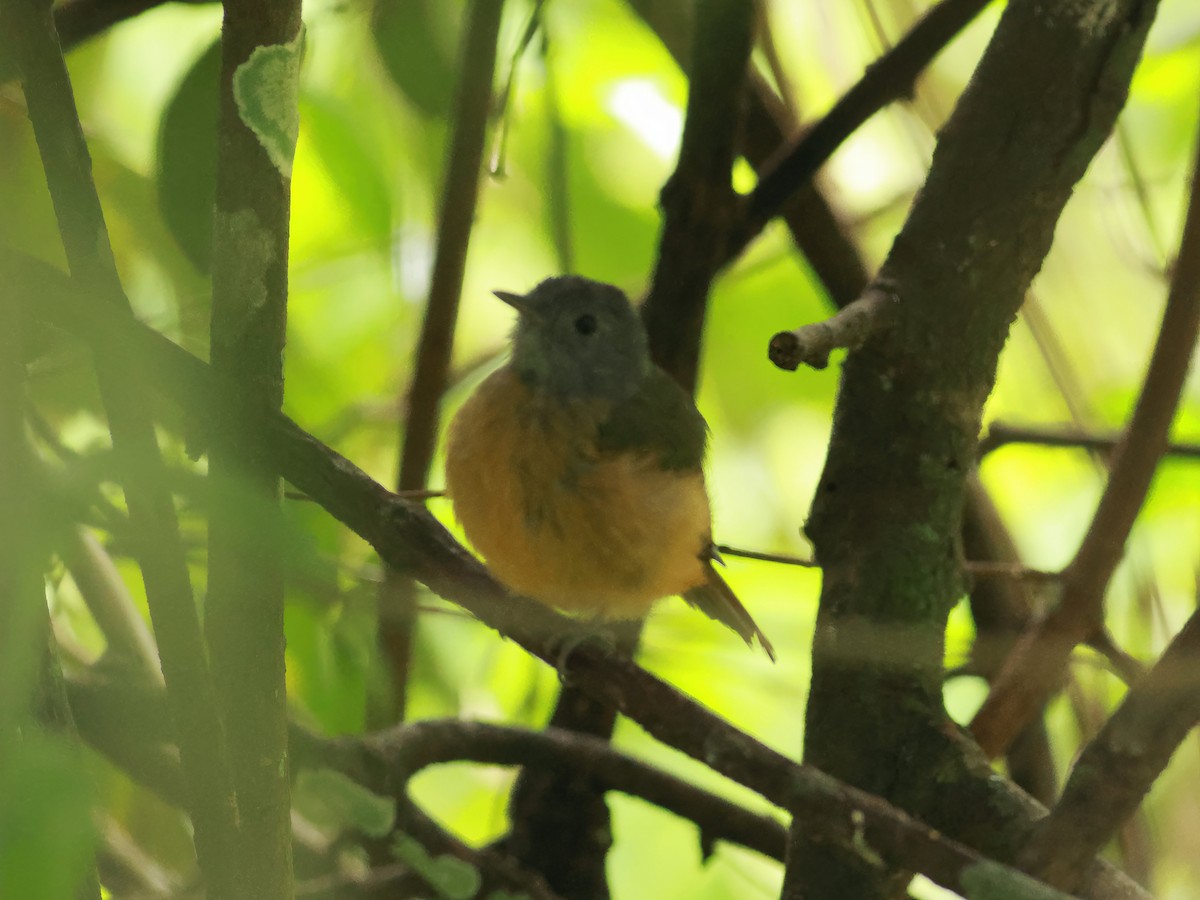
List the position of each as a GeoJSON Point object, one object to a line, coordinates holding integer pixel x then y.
{"type": "Point", "coordinates": [589, 136]}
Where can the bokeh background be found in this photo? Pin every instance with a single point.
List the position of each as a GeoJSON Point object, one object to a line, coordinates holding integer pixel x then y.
{"type": "Point", "coordinates": [578, 154]}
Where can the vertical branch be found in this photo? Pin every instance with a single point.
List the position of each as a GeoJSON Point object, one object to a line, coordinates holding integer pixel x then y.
{"type": "Point", "coordinates": [260, 57]}
{"type": "Point", "coordinates": [157, 542]}
{"type": "Point", "coordinates": [456, 216]}
{"type": "Point", "coordinates": [886, 520]}
{"type": "Point", "coordinates": [1035, 668]}
{"type": "Point", "coordinates": [698, 201]}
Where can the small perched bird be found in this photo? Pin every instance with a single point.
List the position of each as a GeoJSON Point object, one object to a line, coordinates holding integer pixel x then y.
{"type": "Point", "coordinates": [575, 469]}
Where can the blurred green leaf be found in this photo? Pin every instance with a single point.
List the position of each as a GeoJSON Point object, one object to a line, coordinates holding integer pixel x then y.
{"type": "Point", "coordinates": [453, 878]}
{"type": "Point", "coordinates": [348, 159]}
{"type": "Point", "coordinates": [330, 799]}
{"type": "Point", "coordinates": [187, 158]}
{"type": "Point", "coordinates": [416, 53]}
{"type": "Point", "coordinates": [46, 832]}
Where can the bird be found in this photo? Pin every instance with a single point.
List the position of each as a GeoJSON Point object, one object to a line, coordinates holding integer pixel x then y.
{"type": "Point", "coordinates": [576, 468]}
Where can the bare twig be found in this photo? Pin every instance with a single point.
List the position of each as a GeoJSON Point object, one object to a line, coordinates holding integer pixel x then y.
{"type": "Point", "coordinates": [456, 216]}
{"type": "Point", "coordinates": [847, 329]}
{"type": "Point", "coordinates": [1000, 435]}
{"type": "Point", "coordinates": [1038, 662]}
{"type": "Point", "coordinates": [983, 569]}
{"type": "Point", "coordinates": [412, 540]}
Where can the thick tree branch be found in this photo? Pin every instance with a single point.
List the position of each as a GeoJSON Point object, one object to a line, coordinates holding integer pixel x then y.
{"type": "Point", "coordinates": [888, 511]}
{"type": "Point", "coordinates": [456, 217]}
{"type": "Point", "coordinates": [155, 530]}
{"type": "Point", "coordinates": [412, 540]}
{"type": "Point", "coordinates": [1036, 666]}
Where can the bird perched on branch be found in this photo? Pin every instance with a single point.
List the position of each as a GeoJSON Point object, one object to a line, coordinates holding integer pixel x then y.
{"type": "Point", "coordinates": [575, 469]}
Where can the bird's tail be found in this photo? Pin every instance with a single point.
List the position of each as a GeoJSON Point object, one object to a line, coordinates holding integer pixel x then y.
{"type": "Point", "coordinates": [717, 600]}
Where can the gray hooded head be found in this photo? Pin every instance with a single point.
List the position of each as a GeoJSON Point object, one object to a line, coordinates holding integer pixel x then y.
{"type": "Point", "coordinates": [579, 339]}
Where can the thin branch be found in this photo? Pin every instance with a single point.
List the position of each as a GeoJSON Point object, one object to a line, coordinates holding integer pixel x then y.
{"type": "Point", "coordinates": [847, 329]}
{"type": "Point", "coordinates": [109, 602]}
{"type": "Point", "coordinates": [456, 217]}
{"type": "Point", "coordinates": [1000, 435]}
{"type": "Point", "coordinates": [411, 539]}
{"type": "Point", "coordinates": [985, 569]}
{"type": "Point", "coordinates": [1119, 766]}
{"type": "Point", "coordinates": [888, 79]}
{"type": "Point", "coordinates": [1036, 665]}
{"type": "Point", "coordinates": [158, 544]}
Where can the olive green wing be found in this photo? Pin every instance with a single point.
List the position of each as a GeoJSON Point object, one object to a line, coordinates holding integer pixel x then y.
{"type": "Point", "coordinates": [659, 418]}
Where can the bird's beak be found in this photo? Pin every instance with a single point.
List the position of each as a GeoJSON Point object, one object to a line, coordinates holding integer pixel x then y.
{"type": "Point", "coordinates": [516, 301]}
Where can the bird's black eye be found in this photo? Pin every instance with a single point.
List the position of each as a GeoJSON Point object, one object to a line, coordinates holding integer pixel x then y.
{"type": "Point", "coordinates": [586, 324]}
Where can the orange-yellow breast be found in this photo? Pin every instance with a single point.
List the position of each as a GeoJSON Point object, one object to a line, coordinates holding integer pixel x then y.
{"type": "Point", "coordinates": [604, 534]}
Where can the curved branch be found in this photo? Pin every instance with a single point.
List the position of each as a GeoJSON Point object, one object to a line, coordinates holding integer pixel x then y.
{"type": "Point", "coordinates": [1118, 767]}
{"type": "Point", "coordinates": [384, 762]}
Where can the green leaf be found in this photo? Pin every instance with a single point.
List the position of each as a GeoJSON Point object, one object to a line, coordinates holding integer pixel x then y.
{"type": "Point", "coordinates": [451, 877]}
{"type": "Point", "coordinates": [332, 800]}
{"type": "Point", "coordinates": [350, 163]}
{"type": "Point", "coordinates": [187, 158]}
{"type": "Point", "coordinates": [413, 46]}
{"type": "Point", "coordinates": [46, 833]}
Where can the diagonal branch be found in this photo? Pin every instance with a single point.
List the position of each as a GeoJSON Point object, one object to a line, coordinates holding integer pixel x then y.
{"type": "Point", "coordinates": [1037, 664]}
{"type": "Point", "coordinates": [888, 79]}
{"type": "Point", "coordinates": [1118, 767]}
{"type": "Point", "coordinates": [411, 539]}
